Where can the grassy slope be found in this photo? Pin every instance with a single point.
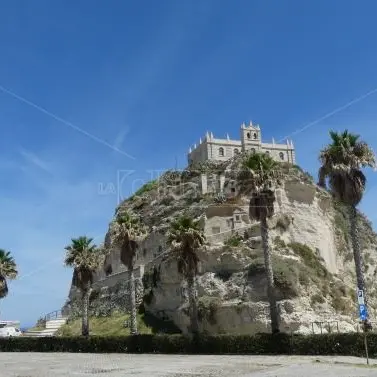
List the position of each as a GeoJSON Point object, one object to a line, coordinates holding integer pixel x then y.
{"type": "Point", "coordinates": [114, 325]}
{"type": "Point", "coordinates": [104, 326]}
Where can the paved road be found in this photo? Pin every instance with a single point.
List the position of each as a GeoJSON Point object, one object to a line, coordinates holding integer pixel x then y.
{"type": "Point", "coordinates": [116, 365]}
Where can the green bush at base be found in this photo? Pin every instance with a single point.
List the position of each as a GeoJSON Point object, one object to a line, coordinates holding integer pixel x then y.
{"type": "Point", "coordinates": [261, 344]}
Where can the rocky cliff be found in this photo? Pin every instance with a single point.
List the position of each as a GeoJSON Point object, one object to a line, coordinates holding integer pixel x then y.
{"type": "Point", "coordinates": [312, 256]}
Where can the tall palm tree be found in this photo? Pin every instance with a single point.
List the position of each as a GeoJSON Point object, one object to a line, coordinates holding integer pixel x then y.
{"type": "Point", "coordinates": [129, 232]}
{"type": "Point", "coordinates": [341, 164]}
{"type": "Point", "coordinates": [8, 270]}
{"type": "Point", "coordinates": [259, 176]}
{"type": "Point", "coordinates": [86, 259]}
{"type": "Point", "coordinates": [185, 237]}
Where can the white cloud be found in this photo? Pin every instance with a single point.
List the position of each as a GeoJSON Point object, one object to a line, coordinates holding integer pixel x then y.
{"type": "Point", "coordinates": [33, 159]}
{"type": "Point", "coordinates": [119, 140]}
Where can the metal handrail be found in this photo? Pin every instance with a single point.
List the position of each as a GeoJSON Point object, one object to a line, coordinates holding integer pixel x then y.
{"type": "Point", "coordinates": [53, 315]}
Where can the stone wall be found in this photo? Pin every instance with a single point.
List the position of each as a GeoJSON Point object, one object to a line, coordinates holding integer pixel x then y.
{"type": "Point", "coordinates": [108, 295]}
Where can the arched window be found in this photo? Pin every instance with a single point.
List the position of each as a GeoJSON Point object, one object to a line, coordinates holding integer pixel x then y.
{"type": "Point", "coordinates": [281, 155]}
{"type": "Point", "coordinates": [255, 135]}
{"type": "Point", "coordinates": [252, 150]}
{"type": "Point", "coordinates": [267, 153]}
{"type": "Point", "coordinates": [221, 152]}
{"type": "Point", "coordinates": [248, 135]}
{"type": "Point", "coordinates": [236, 151]}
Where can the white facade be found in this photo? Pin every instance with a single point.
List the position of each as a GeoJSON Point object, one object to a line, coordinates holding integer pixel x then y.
{"type": "Point", "coordinates": [251, 140]}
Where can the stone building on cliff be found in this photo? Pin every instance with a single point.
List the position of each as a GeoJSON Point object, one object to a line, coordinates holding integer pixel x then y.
{"type": "Point", "coordinates": [211, 148]}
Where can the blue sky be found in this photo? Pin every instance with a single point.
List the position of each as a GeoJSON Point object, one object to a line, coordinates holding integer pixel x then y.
{"type": "Point", "coordinates": [149, 78]}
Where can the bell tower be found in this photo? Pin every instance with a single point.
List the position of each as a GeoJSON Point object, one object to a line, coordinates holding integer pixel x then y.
{"type": "Point", "coordinates": [251, 137]}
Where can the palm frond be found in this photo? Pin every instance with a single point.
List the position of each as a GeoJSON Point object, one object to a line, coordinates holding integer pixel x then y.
{"type": "Point", "coordinates": [3, 287]}
{"type": "Point", "coordinates": [128, 232]}
{"type": "Point", "coordinates": [341, 163]}
{"type": "Point", "coordinates": [185, 237]}
{"type": "Point", "coordinates": [259, 171]}
{"type": "Point", "coordinates": [8, 267]}
{"type": "Point", "coordinates": [85, 258]}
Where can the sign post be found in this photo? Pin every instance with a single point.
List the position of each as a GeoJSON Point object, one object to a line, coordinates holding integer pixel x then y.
{"type": "Point", "coordinates": [363, 314]}
{"type": "Point", "coordinates": [360, 297]}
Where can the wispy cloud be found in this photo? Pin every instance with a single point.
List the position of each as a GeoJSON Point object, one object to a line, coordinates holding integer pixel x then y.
{"type": "Point", "coordinates": [33, 159]}
{"type": "Point", "coordinates": [120, 138]}
{"type": "Point", "coordinates": [61, 120]}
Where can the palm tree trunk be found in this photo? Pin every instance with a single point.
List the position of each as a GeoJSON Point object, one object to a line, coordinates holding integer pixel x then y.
{"type": "Point", "coordinates": [193, 305]}
{"type": "Point", "coordinates": [356, 251]}
{"type": "Point", "coordinates": [85, 313]}
{"type": "Point", "coordinates": [133, 318]}
{"type": "Point", "coordinates": [270, 276]}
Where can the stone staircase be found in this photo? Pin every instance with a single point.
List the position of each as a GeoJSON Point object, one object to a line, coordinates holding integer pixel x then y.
{"type": "Point", "coordinates": [54, 321]}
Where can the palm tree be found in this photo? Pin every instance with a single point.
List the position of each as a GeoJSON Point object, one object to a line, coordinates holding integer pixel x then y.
{"type": "Point", "coordinates": [129, 232]}
{"type": "Point", "coordinates": [259, 176]}
{"type": "Point", "coordinates": [86, 259]}
{"type": "Point", "coordinates": [8, 270]}
{"type": "Point", "coordinates": [185, 237]}
{"type": "Point", "coordinates": [341, 163]}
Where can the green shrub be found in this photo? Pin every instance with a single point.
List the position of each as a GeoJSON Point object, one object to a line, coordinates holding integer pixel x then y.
{"type": "Point", "coordinates": [234, 240]}
{"type": "Point", "coordinates": [146, 188]}
{"type": "Point", "coordinates": [207, 308]}
{"type": "Point", "coordinates": [342, 305]}
{"type": "Point", "coordinates": [283, 222]}
{"type": "Point", "coordinates": [350, 344]}
{"type": "Point", "coordinates": [167, 200]}
{"type": "Point", "coordinates": [172, 177]}
{"type": "Point", "coordinates": [304, 278]}
{"type": "Point", "coordinates": [256, 267]}
{"type": "Point", "coordinates": [286, 274]}
{"type": "Point", "coordinates": [310, 259]}
{"type": "Point", "coordinates": [348, 256]}
{"type": "Point", "coordinates": [341, 302]}
{"type": "Point", "coordinates": [341, 219]}
{"type": "Point", "coordinates": [317, 299]}
{"type": "Point", "coordinates": [286, 277]}
{"type": "Point", "coordinates": [279, 243]}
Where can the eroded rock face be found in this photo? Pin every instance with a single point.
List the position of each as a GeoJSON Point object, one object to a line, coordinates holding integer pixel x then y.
{"type": "Point", "coordinates": [312, 258]}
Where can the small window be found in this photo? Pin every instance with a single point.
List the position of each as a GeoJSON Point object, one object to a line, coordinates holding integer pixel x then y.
{"type": "Point", "coordinates": [248, 135]}
{"type": "Point", "coordinates": [236, 151]}
{"type": "Point", "coordinates": [267, 153]}
{"type": "Point", "coordinates": [252, 150]}
{"type": "Point", "coordinates": [238, 218]}
{"type": "Point", "coordinates": [281, 155]}
{"type": "Point", "coordinates": [233, 189]}
{"type": "Point", "coordinates": [221, 152]}
{"type": "Point", "coordinates": [255, 136]}
{"type": "Point", "coordinates": [215, 230]}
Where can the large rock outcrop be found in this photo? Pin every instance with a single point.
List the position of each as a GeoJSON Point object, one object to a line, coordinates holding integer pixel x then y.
{"type": "Point", "coordinates": [312, 256]}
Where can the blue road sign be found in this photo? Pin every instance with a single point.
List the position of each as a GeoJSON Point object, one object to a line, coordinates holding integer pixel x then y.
{"type": "Point", "coordinates": [363, 312]}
